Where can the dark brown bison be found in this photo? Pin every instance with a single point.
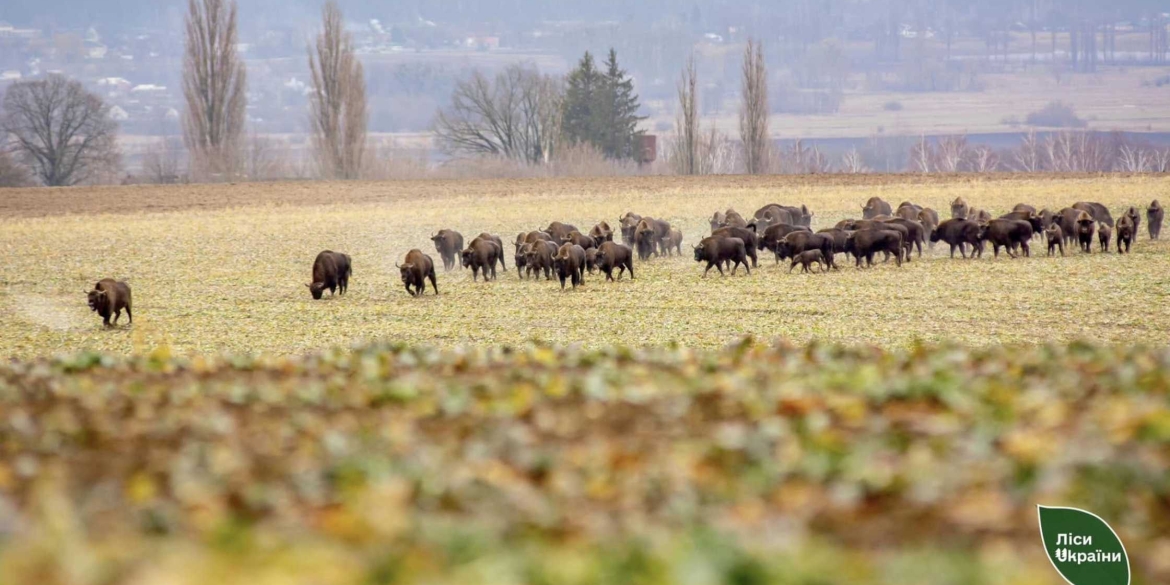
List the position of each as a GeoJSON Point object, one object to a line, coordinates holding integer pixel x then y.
{"type": "Point", "coordinates": [601, 233]}
{"type": "Point", "coordinates": [1098, 212]}
{"type": "Point", "coordinates": [917, 233]}
{"type": "Point", "coordinates": [733, 219]}
{"type": "Point", "coordinates": [448, 243]}
{"type": "Point", "coordinates": [559, 230]}
{"type": "Point", "coordinates": [628, 223]}
{"type": "Point", "coordinates": [838, 236]}
{"type": "Point", "coordinates": [866, 243]}
{"type": "Point", "coordinates": [751, 241]}
{"type": "Point", "coordinates": [908, 210]}
{"type": "Point", "coordinates": [415, 270]}
{"type": "Point", "coordinates": [718, 250]}
{"type": "Point", "coordinates": [1154, 215]}
{"type": "Point", "coordinates": [959, 233]}
{"type": "Point", "coordinates": [331, 270]}
{"type": "Point", "coordinates": [1055, 239]}
{"type": "Point", "coordinates": [570, 264]}
{"type": "Point", "coordinates": [579, 239]}
{"type": "Point", "coordinates": [590, 260]}
{"type": "Point", "coordinates": [495, 240]}
{"type": "Point", "coordinates": [887, 224]}
{"type": "Point", "coordinates": [1067, 220]}
{"type": "Point", "coordinates": [1104, 237]}
{"type": "Point", "coordinates": [1136, 219]}
{"type": "Point", "coordinates": [614, 256]}
{"type": "Point", "coordinates": [1008, 233]}
{"type": "Point", "coordinates": [1028, 216]}
{"type": "Point", "coordinates": [875, 207]}
{"type": "Point", "coordinates": [1084, 227]}
{"type": "Point", "coordinates": [674, 242]}
{"type": "Point", "coordinates": [521, 261]}
{"type": "Point", "coordinates": [772, 236]}
{"type": "Point", "coordinates": [539, 257]}
{"type": "Point", "coordinates": [481, 256]}
{"type": "Point", "coordinates": [808, 258]}
{"type": "Point", "coordinates": [109, 297]}
{"type": "Point", "coordinates": [929, 220]}
{"type": "Point", "coordinates": [796, 243]}
{"type": "Point", "coordinates": [1047, 217]}
{"type": "Point", "coordinates": [1125, 233]}
{"type": "Point", "coordinates": [650, 237]}
{"type": "Point", "coordinates": [717, 220]}
{"type": "Point", "coordinates": [979, 216]}
{"type": "Point", "coordinates": [1024, 207]}
{"type": "Point", "coordinates": [531, 238]}
{"type": "Point", "coordinates": [959, 208]}
{"type": "Point", "coordinates": [774, 213]}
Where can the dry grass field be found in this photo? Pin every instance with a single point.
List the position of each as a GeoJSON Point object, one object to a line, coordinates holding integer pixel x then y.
{"type": "Point", "coordinates": [221, 268]}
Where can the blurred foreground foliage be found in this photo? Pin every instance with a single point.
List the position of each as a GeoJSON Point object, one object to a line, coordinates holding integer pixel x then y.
{"type": "Point", "coordinates": [755, 464]}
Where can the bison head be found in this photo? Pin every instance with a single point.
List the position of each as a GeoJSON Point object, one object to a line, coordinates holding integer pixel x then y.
{"type": "Point", "coordinates": [466, 256]}
{"type": "Point", "coordinates": [700, 253]}
{"type": "Point", "coordinates": [407, 272]}
{"type": "Point", "coordinates": [316, 289]}
{"type": "Point", "coordinates": [96, 299]}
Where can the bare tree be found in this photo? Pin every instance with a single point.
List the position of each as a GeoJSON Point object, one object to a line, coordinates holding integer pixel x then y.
{"type": "Point", "coordinates": [951, 153]}
{"type": "Point", "coordinates": [1132, 160]}
{"type": "Point", "coordinates": [852, 163]}
{"type": "Point", "coordinates": [61, 131]}
{"type": "Point", "coordinates": [685, 157]}
{"type": "Point", "coordinates": [12, 173]}
{"type": "Point", "coordinates": [922, 156]}
{"type": "Point", "coordinates": [1028, 155]}
{"type": "Point", "coordinates": [337, 107]}
{"type": "Point", "coordinates": [753, 113]}
{"type": "Point", "coordinates": [1160, 161]}
{"type": "Point", "coordinates": [984, 159]}
{"type": "Point", "coordinates": [516, 116]}
{"type": "Point", "coordinates": [214, 85]}
{"type": "Point", "coordinates": [160, 165]}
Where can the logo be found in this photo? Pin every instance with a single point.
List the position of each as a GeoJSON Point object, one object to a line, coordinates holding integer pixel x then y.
{"type": "Point", "coordinates": [1082, 547]}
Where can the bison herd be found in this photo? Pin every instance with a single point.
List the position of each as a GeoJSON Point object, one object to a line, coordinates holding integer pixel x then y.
{"type": "Point", "coordinates": [564, 250]}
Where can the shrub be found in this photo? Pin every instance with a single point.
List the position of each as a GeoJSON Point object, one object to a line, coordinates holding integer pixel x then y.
{"type": "Point", "coordinates": [894, 106]}
{"type": "Point", "coordinates": [1055, 115]}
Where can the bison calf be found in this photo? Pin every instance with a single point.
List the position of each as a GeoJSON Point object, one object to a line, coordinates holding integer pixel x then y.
{"type": "Point", "coordinates": [807, 258]}
{"type": "Point", "coordinates": [1055, 239]}
{"type": "Point", "coordinates": [1104, 235]}
{"type": "Point", "coordinates": [1125, 233]}
{"type": "Point", "coordinates": [415, 270]}
{"type": "Point", "coordinates": [109, 297]}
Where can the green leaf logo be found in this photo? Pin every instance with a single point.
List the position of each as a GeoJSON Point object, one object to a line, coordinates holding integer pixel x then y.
{"type": "Point", "coordinates": [1083, 548]}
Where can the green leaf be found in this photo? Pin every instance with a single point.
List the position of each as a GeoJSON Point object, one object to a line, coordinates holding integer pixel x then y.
{"type": "Point", "coordinates": [1083, 548]}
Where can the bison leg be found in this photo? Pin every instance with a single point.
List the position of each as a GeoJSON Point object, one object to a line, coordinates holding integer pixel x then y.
{"type": "Point", "coordinates": [129, 315]}
{"type": "Point", "coordinates": [117, 315]}
{"type": "Point", "coordinates": [434, 284]}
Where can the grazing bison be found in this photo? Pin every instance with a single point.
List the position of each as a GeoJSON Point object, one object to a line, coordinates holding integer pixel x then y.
{"type": "Point", "coordinates": [1084, 227]}
{"type": "Point", "coordinates": [1098, 212]}
{"type": "Point", "coordinates": [601, 233]}
{"type": "Point", "coordinates": [808, 258]}
{"type": "Point", "coordinates": [415, 269]}
{"type": "Point", "coordinates": [611, 256]}
{"type": "Point", "coordinates": [772, 236]}
{"type": "Point", "coordinates": [959, 208]}
{"type": "Point", "coordinates": [482, 255]}
{"type": "Point", "coordinates": [959, 233]}
{"type": "Point", "coordinates": [875, 207]}
{"type": "Point", "coordinates": [1104, 235]}
{"type": "Point", "coordinates": [797, 243]}
{"type": "Point", "coordinates": [751, 241]}
{"type": "Point", "coordinates": [559, 230]}
{"type": "Point", "coordinates": [1055, 238]}
{"type": "Point", "coordinates": [1024, 207]}
{"type": "Point", "coordinates": [539, 257]}
{"type": "Point", "coordinates": [570, 264]}
{"type": "Point", "coordinates": [1154, 215]}
{"type": "Point", "coordinates": [1007, 233]}
{"type": "Point", "coordinates": [448, 244]}
{"type": "Point", "coordinates": [590, 260]}
{"type": "Point", "coordinates": [1136, 219]}
{"type": "Point", "coordinates": [109, 297]}
{"type": "Point", "coordinates": [866, 243]}
{"type": "Point", "coordinates": [579, 239]}
{"type": "Point", "coordinates": [331, 270]}
{"type": "Point", "coordinates": [1125, 233]}
{"type": "Point", "coordinates": [628, 223]}
{"type": "Point", "coordinates": [717, 250]}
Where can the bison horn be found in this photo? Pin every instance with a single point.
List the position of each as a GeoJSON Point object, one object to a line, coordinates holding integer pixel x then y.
{"type": "Point", "coordinates": [396, 265]}
{"type": "Point", "coordinates": [309, 285]}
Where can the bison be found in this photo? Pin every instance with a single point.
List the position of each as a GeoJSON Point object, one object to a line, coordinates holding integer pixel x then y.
{"type": "Point", "coordinates": [539, 257]}
{"type": "Point", "coordinates": [415, 270]}
{"type": "Point", "coordinates": [1104, 235]}
{"type": "Point", "coordinates": [959, 208]}
{"type": "Point", "coordinates": [959, 233]}
{"type": "Point", "coordinates": [733, 219]}
{"type": "Point", "coordinates": [838, 236]}
{"type": "Point", "coordinates": [601, 233]}
{"type": "Point", "coordinates": [980, 216]}
{"type": "Point", "coordinates": [717, 250]}
{"type": "Point", "coordinates": [717, 220]}
{"type": "Point", "coordinates": [807, 258]}
{"type": "Point", "coordinates": [751, 241]}
{"type": "Point", "coordinates": [796, 243]}
{"type": "Point", "coordinates": [570, 264]}
{"type": "Point", "coordinates": [1084, 227]}
{"type": "Point", "coordinates": [875, 207]}
{"type": "Point", "coordinates": [917, 233]}
{"type": "Point", "coordinates": [1020, 207]}
{"type": "Point", "coordinates": [1098, 212]}
{"type": "Point", "coordinates": [929, 220]}
{"type": "Point", "coordinates": [614, 256]}
{"type": "Point", "coordinates": [521, 261]}
{"type": "Point", "coordinates": [1154, 215]}
{"type": "Point", "coordinates": [1007, 233]}
{"type": "Point", "coordinates": [481, 256]}
{"type": "Point", "coordinates": [866, 243]}
{"type": "Point", "coordinates": [331, 270]}
{"type": "Point", "coordinates": [1136, 219]}
{"type": "Point", "coordinates": [448, 243]}
{"type": "Point", "coordinates": [1067, 220]}
{"type": "Point", "coordinates": [650, 236]}
{"type": "Point", "coordinates": [1028, 216]}
{"type": "Point", "coordinates": [628, 223]}
{"type": "Point", "coordinates": [590, 260]}
{"type": "Point", "coordinates": [674, 241]}
{"type": "Point", "coordinates": [579, 239]}
{"type": "Point", "coordinates": [772, 236]}
{"type": "Point", "coordinates": [495, 240]}
{"type": "Point", "coordinates": [109, 297]}
{"type": "Point", "coordinates": [1125, 233]}
{"type": "Point", "coordinates": [1055, 239]}
{"type": "Point", "coordinates": [559, 230]}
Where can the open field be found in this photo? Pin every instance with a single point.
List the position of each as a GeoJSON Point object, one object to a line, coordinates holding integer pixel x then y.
{"type": "Point", "coordinates": [800, 466]}
{"type": "Point", "coordinates": [215, 278]}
